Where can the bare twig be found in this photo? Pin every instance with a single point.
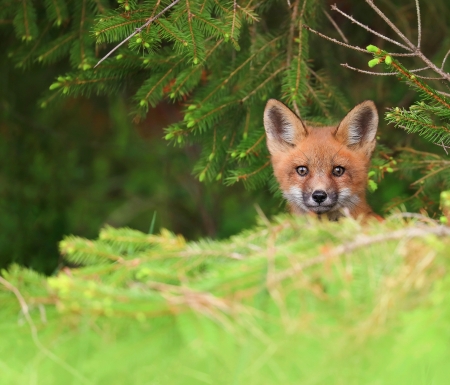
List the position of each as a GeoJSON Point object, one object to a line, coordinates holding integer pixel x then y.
{"type": "Point", "coordinates": [391, 24]}
{"type": "Point", "coordinates": [429, 77]}
{"type": "Point", "coordinates": [138, 30]}
{"type": "Point", "coordinates": [356, 48]}
{"type": "Point", "coordinates": [369, 72]}
{"type": "Point", "coordinates": [34, 334]}
{"type": "Point", "coordinates": [414, 50]}
{"type": "Point", "coordinates": [419, 25]}
{"type": "Point", "coordinates": [445, 58]}
{"type": "Point", "coordinates": [443, 146]}
{"type": "Point", "coordinates": [353, 20]}
{"type": "Point", "coordinates": [335, 26]}
{"type": "Point", "coordinates": [420, 69]}
{"type": "Point", "coordinates": [443, 93]}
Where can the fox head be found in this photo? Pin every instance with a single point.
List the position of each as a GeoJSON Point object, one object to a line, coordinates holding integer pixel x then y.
{"type": "Point", "coordinates": [323, 169]}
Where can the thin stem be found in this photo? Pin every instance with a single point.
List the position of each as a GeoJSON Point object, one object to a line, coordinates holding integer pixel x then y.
{"type": "Point", "coordinates": [420, 69]}
{"type": "Point", "coordinates": [392, 25]}
{"type": "Point", "coordinates": [369, 72]}
{"type": "Point", "coordinates": [428, 77]}
{"type": "Point", "coordinates": [445, 58]}
{"type": "Point", "coordinates": [353, 20]}
{"type": "Point", "coordinates": [335, 25]}
{"type": "Point", "coordinates": [419, 25]}
{"type": "Point", "coordinates": [151, 20]}
{"type": "Point", "coordinates": [443, 93]}
{"type": "Point", "coordinates": [356, 48]}
{"type": "Point", "coordinates": [412, 54]}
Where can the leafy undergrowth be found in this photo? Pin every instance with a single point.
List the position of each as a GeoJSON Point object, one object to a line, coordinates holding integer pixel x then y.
{"type": "Point", "coordinates": [293, 301]}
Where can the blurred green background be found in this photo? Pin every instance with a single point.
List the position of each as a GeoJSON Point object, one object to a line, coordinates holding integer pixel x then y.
{"type": "Point", "coordinates": [82, 163]}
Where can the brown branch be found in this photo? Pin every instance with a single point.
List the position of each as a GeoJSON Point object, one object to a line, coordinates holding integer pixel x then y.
{"type": "Point", "coordinates": [392, 25]}
{"type": "Point", "coordinates": [335, 26]}
{"type": "Point", "coordinates": [419, 25]}
{"type": "Point", "coordinates": [356, 48]}
{"type": "Point", "coordinates": [445, 58]}
{"type": "Point", "coordinates": [245, 176]}
{"type": "Point", "coordinates": [353, 20]}
{"type": "Point", "coordinates": [369, 72]}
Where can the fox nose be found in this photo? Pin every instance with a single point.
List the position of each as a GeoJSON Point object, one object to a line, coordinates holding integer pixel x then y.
{"type": "Point", "coordinates": [319, 196]}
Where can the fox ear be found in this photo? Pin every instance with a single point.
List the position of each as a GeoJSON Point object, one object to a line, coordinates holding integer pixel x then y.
{"type": "Point", "coordinates": [359, 127]}
{"type": "Point", "coordinates": [283, 127]}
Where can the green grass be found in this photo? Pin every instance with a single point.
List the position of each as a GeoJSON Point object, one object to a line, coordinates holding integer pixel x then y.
{"type": "Point", "coordinates": [294, 301]}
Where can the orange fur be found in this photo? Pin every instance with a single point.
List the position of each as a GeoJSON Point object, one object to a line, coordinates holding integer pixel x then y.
{"type": "Point", "coordinates": [322, 170]}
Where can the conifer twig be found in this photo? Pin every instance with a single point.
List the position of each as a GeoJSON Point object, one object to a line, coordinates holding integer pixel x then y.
{"type": "Point", "coordinates": [359, 242]}
{"type": "Point", "coordinates": [137, 30]}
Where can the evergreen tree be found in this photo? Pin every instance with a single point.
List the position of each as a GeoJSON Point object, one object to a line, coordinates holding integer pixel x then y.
{"type": "Point", "coordinates": [220, 59]}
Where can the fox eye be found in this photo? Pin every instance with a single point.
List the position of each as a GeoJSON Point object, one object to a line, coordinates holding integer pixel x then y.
{"type": "Point", "coordinates": [302, 170]}
{"type": "Point", "coordinates": [338, 171]}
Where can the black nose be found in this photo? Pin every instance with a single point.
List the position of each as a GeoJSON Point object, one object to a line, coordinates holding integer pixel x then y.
{"type": "Point", "coordinates": [319, 196]}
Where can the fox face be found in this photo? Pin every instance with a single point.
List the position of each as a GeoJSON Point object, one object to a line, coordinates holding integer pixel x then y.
{"type": "Point", "coordinates": [322, 170]}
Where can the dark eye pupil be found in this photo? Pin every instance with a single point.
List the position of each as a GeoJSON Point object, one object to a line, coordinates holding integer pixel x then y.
{"type": "Point", "coordinates": [302, 170]}
{"type": "Point", "coordinates": [338, 171]}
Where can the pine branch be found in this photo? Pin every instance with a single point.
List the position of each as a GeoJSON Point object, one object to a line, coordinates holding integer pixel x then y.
{"type": "Point", "coordinates": [138, 30]}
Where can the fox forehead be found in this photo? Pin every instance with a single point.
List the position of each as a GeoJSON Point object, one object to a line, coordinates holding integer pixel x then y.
{"type": "Point", "coordinates": [319, 149]}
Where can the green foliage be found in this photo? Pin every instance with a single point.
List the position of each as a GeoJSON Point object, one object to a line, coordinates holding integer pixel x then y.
{"type": "Point", "coordinates": [342, 303]}
{"type": "Point", "coordinates": [221, 60]}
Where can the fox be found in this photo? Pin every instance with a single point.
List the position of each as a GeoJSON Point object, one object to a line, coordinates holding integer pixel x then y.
{"type": "Point", "coordinates": [322, 170]}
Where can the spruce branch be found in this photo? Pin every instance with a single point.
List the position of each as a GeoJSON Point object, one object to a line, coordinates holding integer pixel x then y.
{"type": "Point", "coordinates": [138, 30]}
{"type": "Point", "coordinates": [262, 84]}
{"type": "Point", "coordinates": [358, 243]}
